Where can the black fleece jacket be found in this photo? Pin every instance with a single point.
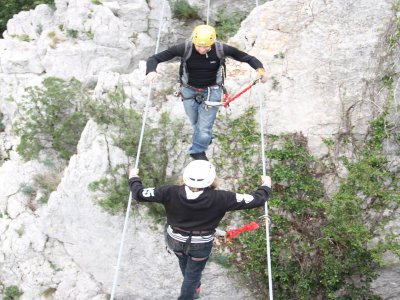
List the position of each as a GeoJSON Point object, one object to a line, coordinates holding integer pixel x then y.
{"type": "Point", "coordinates": [203, 213]}
{"type": "Point", "coordinates": [202, 68]}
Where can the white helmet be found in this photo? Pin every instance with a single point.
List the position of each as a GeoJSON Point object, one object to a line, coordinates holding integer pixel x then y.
{"type": "Point", "coordinates": [199, 174]}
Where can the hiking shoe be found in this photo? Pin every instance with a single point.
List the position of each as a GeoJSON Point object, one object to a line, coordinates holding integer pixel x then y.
{"type": "Point", "coordinates": [199, 156]}
{"type": "Point", "coordinates": [197, 293]}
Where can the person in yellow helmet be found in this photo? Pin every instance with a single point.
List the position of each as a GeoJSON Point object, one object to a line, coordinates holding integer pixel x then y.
{"type": "Point", "coordinates": [202, 72]}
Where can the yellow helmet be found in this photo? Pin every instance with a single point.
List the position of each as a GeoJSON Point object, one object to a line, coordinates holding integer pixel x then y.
{"type": "Point", "coordinates": [204, 35]}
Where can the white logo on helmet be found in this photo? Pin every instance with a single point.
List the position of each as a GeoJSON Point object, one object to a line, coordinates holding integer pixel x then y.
{"type": "Point", "coordinates": [244, 197]}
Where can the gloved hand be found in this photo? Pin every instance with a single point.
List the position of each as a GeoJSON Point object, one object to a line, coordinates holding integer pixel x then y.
{"type": "Point", "coordinates": [152, 76]}
{"type": "Point", "coordinates": [134, 172]}
{"type": "Point", "coordinates": [266, 181]}
{"type": "Point", "coordinates": [261, 74]}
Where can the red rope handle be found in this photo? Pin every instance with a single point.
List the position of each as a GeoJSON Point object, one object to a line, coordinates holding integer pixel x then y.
{"type": "Point", "coordinates": [227, 101]}
{"type": "Point", "coordinates": [230, 234]}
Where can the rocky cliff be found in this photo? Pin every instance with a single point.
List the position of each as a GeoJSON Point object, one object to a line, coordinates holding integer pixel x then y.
{"type": "Point", "coordinates": [324, 57]}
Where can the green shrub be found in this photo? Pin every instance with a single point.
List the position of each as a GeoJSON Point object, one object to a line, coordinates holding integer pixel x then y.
{"type": "Point", "coordinates": [321, 245]}
{"type": "Point", "coordinates": [72, 33]}
{"type": "Point", "coordinates": [228, 24]}
{"type": "Point", "coordinates": [11, 7]}
{"type": "Point", "coordinates": [160, 150]}
{"type": "Point", "coordinates": [27, 189]}
{"type": "Point", "coordinates": [12, 293]}
{"type": "Point", "coordinates": [24, 38]}
{"type": "Point", "coordinates": [47, 183]}
{"type": "Point", "coordinates": [181, 9]}
{"type": "Point", "coordinates": [51, 117]}
{"type": "Point", "coordinates": [2, 126]}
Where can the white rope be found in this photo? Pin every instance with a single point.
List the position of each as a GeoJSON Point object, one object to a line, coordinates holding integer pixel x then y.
{"type": "Point", "coordinates": [121, 247]}
{"type": "Point", "coordinates": [264, 168]}
{"type": "Point", "coordinates": [208, 10]}
{"type": "Point", "coordinates": [267, 220]}
{"type": "Point", "coordinates": [395, 94]}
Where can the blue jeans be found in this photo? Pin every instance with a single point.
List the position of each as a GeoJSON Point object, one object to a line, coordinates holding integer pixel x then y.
{"type": "Point", "coordinates": [201, 117]}
{"type": "Point", "coordinates": [192, 264]}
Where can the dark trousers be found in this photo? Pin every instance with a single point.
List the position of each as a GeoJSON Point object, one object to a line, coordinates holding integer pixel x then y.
{"type": "Point", "coordinates": [192, 264]}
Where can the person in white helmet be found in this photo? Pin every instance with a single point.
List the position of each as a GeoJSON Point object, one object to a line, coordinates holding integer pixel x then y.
{"type": "Point", "coordinates": [202, 73]}
{"type": "Point", "coordinates": [194, 211]}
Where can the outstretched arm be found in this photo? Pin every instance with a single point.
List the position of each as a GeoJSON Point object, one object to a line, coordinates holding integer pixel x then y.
{"type": "Point", "coordinates": [241, 56]}
{"type": "Point", "coordinates": [170, 53]}
{"type": "Point", "coordinates": [244, 57]}
{"type": "Point", "coordinates": [141, 193]}
{"type": "Point", "coordinates": [258, 198]}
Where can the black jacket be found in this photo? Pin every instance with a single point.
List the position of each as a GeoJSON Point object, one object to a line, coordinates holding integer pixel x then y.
{"type": "Point", "coordinates": [203, 213]}
{"type": "Point", "coordinates": [202, 68]}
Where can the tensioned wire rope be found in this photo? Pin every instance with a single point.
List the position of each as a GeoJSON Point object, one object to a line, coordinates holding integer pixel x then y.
{"type": "Point", "coordinates": [136, 163]}
{"type": "Point", "coordinates": [267, 220]}
{"type": "Point", "coordinates": [264, 170]}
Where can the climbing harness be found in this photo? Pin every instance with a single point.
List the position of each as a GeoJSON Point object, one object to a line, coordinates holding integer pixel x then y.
{"type": "Point", "coordinates": [128, 209]}
{"type": "Point", "coordinates": [200, 95]}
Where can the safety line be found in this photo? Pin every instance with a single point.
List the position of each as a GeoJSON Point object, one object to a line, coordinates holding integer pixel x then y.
{"type": "Point", "coordinates": [136, 165]}
{"type": "Point", "coordinates": [208, 10]}
{"type": "Point", "coordinates": [395, 93]}
{"type": "Point", "coordinates": [267, 220]}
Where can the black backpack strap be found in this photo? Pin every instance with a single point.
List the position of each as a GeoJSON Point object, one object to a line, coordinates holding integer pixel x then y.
{"type": "Point", "coordinates": [183, 73]}
{"type": "Point", "coordinates": [188, 50]}
{"type": "Point", "coordinates": [219, 49]}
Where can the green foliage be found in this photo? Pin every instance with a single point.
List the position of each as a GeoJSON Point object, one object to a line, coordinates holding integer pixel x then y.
{"type": "Point", "coordinates": [275, 83]}
{"type": "Point", "coordinates": [12, 293]}
{"type": "Point", "coordinates": [89, 34]}
{"type": "Point", "coordinates": [2, 126]}
{"type": "Point", "coordinates": [228, 24]}
{"type": "Point", "coordinates": [47, 183]}
{"type": "Point", "coordinates": [279, 55]}
{"type": "Point", "coordinates": [321, 245]}
{"type": "Point", "coordinates": [72, 33]}
{"type": "Point", "coordinates": [49, 292]}
{"type": "Point", "coordinates": [221, 259]}
{"type": "Point", "coordinates": [183, 10]}
{"type": "Point", "coordinates": [54, 39]}
{"type": "Point", "coordinates": [11, 7]}
{"type": "Point", "coordinates": [39, 29]}
{"type": "Point", "coordinates": [394, 37]}
{"type": "Point", "coordinates": [27, 189]}
{"type": "Point", "coordinates": [114, 191]}
{"type": "Point", "coordinates": [24, 38]}
{"type": "Point", "coordinates": [51, 117]}
{"type": "Point", "coordinates": [97, 2]}
{"type": "Point", "coordinates": [240, 155]}
{"type": "Point", "coordinates": [161, 143]}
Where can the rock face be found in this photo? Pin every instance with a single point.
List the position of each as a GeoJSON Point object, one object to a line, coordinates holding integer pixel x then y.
{"type": "Point", "coordinates": [324, 58]}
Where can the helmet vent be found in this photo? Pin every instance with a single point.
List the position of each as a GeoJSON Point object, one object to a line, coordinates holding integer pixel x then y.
{"type": "Point", "coordinates": [194, 179]}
